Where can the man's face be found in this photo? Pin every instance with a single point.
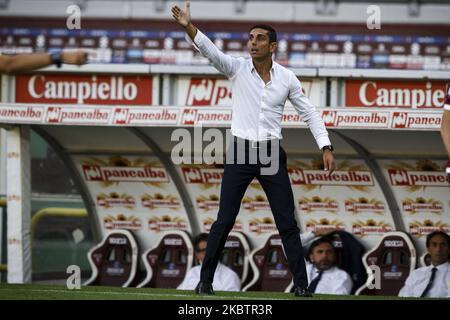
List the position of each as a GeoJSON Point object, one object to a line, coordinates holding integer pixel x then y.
{"type": "Point", "coordinates": [323, 256]}
{"type": "Point", "coordinates": [259, 45]}
{"type": "Point", "coordinates": [200, 251]}
{"type": "Point", "coordinates": [439, 250]}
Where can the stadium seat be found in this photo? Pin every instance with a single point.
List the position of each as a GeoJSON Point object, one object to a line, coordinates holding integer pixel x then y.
{"type": "Point", "coordinates": [425, 260]}
{"type": "Point", "coordinates": [270, 267]}
{"type": "Point", "coordinates": [114, 261]}
{"type": "Point", "coordinates": [395, 255]}
{"type": "Point", "coordinates": [236, 254]}
{"type": "Point", "coordinates": [168, 262]}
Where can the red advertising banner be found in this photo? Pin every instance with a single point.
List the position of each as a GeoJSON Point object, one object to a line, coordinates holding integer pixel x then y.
{"type": "Point", "coordinates": [84, 89]}
{"type": "Point", "coordinates": [394, 94]}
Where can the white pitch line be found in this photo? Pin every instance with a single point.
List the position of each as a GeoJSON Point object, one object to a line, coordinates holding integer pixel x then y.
{"type": "Point", "coordinates": [131, 293]}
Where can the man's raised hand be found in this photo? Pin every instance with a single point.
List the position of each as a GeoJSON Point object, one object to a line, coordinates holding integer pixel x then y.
{"type": "Point", "coordinates": [183, 17]}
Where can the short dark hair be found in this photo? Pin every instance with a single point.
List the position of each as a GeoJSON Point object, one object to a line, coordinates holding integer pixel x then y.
{"type": "Point", "coordinates": [437, 233]}
{"type": "Point", "coordinates": [199, 238]}
{"type": "Point", "coordinates": [272, 32]}
{"type": "Point", "coordinates": [317, 243]}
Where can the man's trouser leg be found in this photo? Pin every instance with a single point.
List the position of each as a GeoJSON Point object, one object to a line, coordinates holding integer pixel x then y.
{"type": "Point", "coordinates": [236, 179]}
{"type": "Point", "coordinates": [279, 193]}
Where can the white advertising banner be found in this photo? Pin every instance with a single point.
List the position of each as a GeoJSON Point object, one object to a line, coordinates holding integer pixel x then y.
{"type": "Point", "coordinates": [421, 188]}
{"type": "Point", "coordinates": [219, 116]}
{"type": "Point", "coordinates": [350, 199]}
{"type": "Point", "coordinates": [134, 193]}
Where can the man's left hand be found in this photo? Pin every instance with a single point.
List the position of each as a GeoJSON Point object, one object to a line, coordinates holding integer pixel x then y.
{"type": "Point", "coordinates": [328, 161]}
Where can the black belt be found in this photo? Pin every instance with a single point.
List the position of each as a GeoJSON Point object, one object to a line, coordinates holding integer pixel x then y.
{"type": "Point", "coordinates": [255, 144]}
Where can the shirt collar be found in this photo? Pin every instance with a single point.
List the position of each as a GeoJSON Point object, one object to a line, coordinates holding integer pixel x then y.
{"type": "Point", "coordinates": [440, 267]}
{"type": "Point", "coordinates": [272, 69]}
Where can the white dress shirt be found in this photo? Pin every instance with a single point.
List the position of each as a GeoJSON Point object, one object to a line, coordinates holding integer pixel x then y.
{"type": "Point", "coordinates": [258, 106]}
{"type": "Point", "coordinates": [418, 281]}
{"type": "Point", "coordinates": [333, 281]}
{"type": "Point", "coordinates": [225, 279]}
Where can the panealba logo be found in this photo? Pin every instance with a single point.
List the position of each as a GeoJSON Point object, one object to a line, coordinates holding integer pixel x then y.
{"type": "Point", "coordinates": [115, 200]}
{"type": "Point", "coordinates": [121, 169]}
{"type": "Point", "coordinates": [316, 203]}
{"type": "Point", "coordinates": [259, 202]}
{"type": "Point", "coordinates": [122, 221]}
{"type": "Point", "coordinates": [310, 176]}
{"type": "Point", "coordinates": [167, 222]}
{"type": "Point", "coordinates": [425, 173]}
{"type": "Point", "coordinates": [363, 204]}
{"type": "Point", "coordinates": [262, 225]}
{"type": "Point", "coordinates": [420, 204]}
{"type": "Point", "coordinates": [370, 227]}
{"type": "Point", "coordinates": [160, 201]}
{"type": "Point", "coordinates": [207, 176]}
{"type": "Point", "coordinates": [422, 228]}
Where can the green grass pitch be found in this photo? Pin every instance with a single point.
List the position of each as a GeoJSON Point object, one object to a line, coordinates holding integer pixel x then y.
{"type": "Point", "coordinates": [59, 292]}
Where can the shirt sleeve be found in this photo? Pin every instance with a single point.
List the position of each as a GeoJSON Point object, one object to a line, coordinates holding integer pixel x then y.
{"type": "Point", "coordinates": [226, 64]}
{"type": "Point", "coordinates": [308, 112]}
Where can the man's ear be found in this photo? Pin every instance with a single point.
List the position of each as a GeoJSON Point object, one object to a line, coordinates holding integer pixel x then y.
{"type": "Point", "coordinates": [273, 46]}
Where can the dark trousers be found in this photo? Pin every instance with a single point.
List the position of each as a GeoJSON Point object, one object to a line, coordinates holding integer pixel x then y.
{"type": "Point", "coordinates": [278, 189]}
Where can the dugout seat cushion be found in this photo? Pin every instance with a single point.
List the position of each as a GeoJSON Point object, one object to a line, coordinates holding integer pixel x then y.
{"type": "Point", "coordinates": [270, 267]}
{"type": "Point", "coordinates": [114, 261]}
{"type": "Point", "coordinates": [236, 254]}
{"type": "Point", "coordinates": [167, 263]}
{"type": "Point", "coordinates": [393, 259]}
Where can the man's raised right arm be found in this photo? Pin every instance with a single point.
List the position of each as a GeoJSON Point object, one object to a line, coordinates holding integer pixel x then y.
{"type": "Point", "coordinates": [224, 63]}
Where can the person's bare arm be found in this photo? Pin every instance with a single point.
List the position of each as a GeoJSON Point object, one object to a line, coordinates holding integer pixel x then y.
{"type": "Point", "coordinates": [183, 17]}
{"type": "Point", "coordinates": [445, 131]}
{"type": "Point", "coordinates": [23, 62]}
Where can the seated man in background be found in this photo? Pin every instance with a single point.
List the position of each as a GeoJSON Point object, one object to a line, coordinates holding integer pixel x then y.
{"type": "Point", "coordinates": [433, 280]}
{"type": "Point", "coordinates": [225, 279]}
{"type": "Point", "coordinates": [324, 276]}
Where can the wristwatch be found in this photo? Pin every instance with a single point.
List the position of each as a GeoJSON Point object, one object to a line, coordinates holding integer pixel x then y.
{"type": "Point", "coordinates": [56, 58]}
{"type": "Point", "coordinates": [328, 147]}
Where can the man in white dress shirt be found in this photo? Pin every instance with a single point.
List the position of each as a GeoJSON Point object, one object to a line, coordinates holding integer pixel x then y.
{"type": "Point", "coordinates": [324, 276]}
{"type": "Point", "coordinates": [433, 280]}
{"type": "Point", "coordinates": [260, 88]}
{"type": "Point", "coordinates": [225, 279]}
